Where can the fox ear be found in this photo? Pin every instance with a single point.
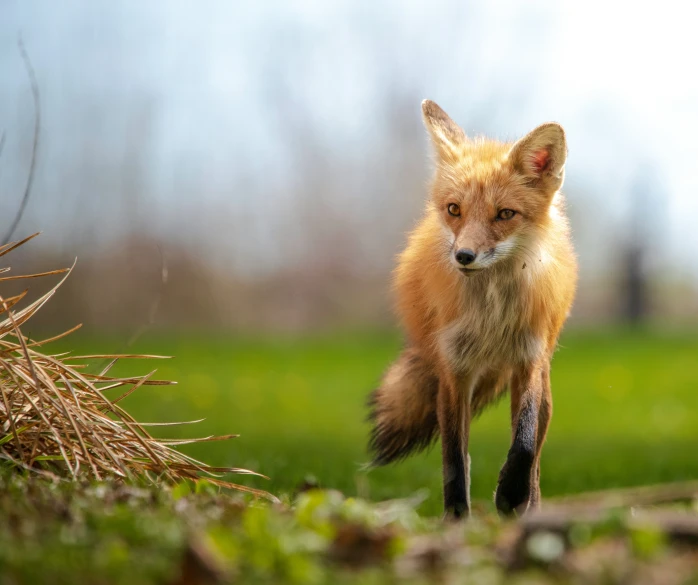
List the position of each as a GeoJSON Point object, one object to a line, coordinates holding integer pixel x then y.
{"type": "Point", "coordinates": [446, 135]}
{"type": "Point", "coordinates": [540, 156]}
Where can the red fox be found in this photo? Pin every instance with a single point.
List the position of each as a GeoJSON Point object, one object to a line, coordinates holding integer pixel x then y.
{"type": "Point", "coordinates": [483, 289]}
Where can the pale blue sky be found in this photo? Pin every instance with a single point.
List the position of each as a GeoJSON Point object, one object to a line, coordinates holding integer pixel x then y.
{"type": "Point", "coordinates": [219, 97]}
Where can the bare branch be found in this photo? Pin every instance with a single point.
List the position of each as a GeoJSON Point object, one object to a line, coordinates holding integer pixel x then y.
{"type": "Point", "coordinates": [648, 495]}
{"type": "Point", "coordinates": [2, 142]}
{"type": "Point", "coordinates": [37, 126]}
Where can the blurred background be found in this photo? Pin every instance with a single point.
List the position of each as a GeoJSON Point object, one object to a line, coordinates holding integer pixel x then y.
{"type": "Point", "coordinates": [270, 158]}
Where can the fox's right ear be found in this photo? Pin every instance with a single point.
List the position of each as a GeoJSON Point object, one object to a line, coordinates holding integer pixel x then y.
{"type": "Point", "coordinates": [446, 135]}
{"type": "Point", "coordinates": [540, 156]}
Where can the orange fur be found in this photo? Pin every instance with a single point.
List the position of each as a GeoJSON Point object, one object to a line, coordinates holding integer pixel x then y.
{"type": "Point", "coordinates": [478, 331]}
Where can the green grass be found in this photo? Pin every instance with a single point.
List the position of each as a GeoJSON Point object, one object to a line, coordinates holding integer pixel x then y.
{"type": "Point", "coordinates": [625, 411]}
{"type": "Point", "coordinates": [108, 533]}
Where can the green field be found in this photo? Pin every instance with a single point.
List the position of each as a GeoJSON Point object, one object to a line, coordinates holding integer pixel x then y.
{"type": "Point", "coordinates": [625, 411]}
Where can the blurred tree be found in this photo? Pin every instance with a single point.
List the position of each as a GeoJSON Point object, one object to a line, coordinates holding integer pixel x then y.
{"type": "Point", "coordinates": [635, 294]}
{"type": "Point", "coordinates": [643, 196]}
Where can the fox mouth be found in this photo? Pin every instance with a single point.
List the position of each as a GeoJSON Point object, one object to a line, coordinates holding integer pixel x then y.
{"type": "Point", "coordinates": [469, 271]}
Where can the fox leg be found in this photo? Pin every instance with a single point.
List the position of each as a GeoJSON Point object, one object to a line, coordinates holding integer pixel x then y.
{"type": "Point", "coordinates": [518, 485]}
{"type": "Point", "coordinates": [453, 414]}
{"type": "Point", "coordinates": [544, 414]}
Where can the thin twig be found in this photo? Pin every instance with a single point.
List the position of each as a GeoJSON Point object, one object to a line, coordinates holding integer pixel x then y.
{"type": "Point", "coordinates": [155, 305]}
{"type": "Point", "coordinates": [35, 145]}
{"type": "Point", "coordinates": [152, 313]}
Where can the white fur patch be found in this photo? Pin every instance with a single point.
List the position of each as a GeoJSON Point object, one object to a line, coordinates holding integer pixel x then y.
{"type": "Point", "coordinates": [448, 346]}
{"type": "Point", "coordinates": [535, 346]}
{"type": "Point", "coordinates": [554, 209]}
{"type": "Point", "coordinates": [502, 250]}
{"type": "Point", "coordinates": [489, 350]}
{"type": "Point", "coordinates": [491, 332]}
{"type": "Point", "coordinates": [506, 247]}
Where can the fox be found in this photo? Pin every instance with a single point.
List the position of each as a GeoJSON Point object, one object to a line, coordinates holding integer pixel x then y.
{"type": "Point", "coordinates": [482, 289]}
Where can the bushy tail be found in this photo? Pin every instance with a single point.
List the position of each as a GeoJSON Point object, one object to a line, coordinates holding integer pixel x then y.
{"type": "Point", "coordinates": [403, 410]}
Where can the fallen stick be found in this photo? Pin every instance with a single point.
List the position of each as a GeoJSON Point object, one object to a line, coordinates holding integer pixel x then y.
{"type": "Point", "coordinates": [651, 495]}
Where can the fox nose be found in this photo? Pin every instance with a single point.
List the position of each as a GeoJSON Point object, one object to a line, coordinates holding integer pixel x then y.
{"type": "Point", "coordinates": [464, 256]}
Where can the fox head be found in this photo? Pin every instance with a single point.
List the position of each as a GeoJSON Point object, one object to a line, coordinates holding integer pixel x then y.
{"type": "Point", "coordinates": [492, 198]}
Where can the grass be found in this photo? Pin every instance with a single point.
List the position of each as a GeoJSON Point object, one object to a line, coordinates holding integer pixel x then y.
{"type": "Point", "coordinates": [625, 405]}
{"type": "Point", "coordinates": [625, 411]}
{"type": "Point", "coordinates": [73, 533]}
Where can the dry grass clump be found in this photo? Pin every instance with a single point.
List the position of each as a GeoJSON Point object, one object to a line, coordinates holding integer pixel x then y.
{"type": "Point", "coordinates": [55, 417]}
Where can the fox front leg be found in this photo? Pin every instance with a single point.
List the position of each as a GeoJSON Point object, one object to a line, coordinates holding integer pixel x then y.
{"type": "Point", "coordinates": [454, 424]}
{"type": "Point", "coordinates": [545, 412]}
{"type": "Point", "coordinates": [518, 488]}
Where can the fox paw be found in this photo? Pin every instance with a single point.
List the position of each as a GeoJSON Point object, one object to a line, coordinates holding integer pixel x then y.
{"type": "Point", "coordinates": [514, 493]}
{"type": "Point", "coordinates": [512, 497]}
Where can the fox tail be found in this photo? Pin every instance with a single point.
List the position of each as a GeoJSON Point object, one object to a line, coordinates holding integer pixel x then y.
{"type": "Point", "coordinates": [403, 410]}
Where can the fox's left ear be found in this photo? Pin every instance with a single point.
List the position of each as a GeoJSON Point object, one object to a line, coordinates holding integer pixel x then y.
{"type": "Point", "coordinates": [540, 156]}
{"type": "Point", "coordinates": [447, 136]}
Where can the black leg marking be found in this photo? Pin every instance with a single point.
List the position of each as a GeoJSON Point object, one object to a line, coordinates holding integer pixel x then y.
{"type": "Point", "coordinates": [514, 486]}
{"type": "Point", "coordinates": [455, 477]}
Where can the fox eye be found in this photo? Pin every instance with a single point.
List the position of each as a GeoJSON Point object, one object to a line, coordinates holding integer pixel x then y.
{"type": "Point", "coordinates": [454, 210]}
{"type": "Point", "coordinates": [506, 214]}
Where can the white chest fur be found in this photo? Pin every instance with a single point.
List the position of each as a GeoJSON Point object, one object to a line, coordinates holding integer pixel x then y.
{"type": "Point", "coordinates": [493, 329]}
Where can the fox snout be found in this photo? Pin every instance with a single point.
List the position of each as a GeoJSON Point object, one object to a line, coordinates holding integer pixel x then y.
{"type": "Point", "coordinates": [469, 261]}
{"type": "Point", "coordinates": [465, 256]}
{"type": "Point", "coordinates": [471, 248]}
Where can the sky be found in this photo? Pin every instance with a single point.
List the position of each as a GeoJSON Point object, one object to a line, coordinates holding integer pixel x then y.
{"type": "Point", "coordinates": [219, 98]}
